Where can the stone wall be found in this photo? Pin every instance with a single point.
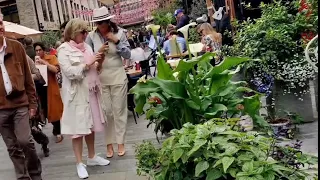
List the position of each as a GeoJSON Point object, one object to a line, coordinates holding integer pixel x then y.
{"type": "Point", "coordinates": [27, 15]}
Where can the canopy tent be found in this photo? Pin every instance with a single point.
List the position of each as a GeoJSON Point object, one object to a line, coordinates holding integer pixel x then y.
{"type": "Point", "coordinates": [17, 31]}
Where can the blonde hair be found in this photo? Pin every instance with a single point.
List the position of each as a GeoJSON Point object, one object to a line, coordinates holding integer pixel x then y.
{"type": "Point", "coordinates": [74, 27]}
{"type": "Point", "coordinates": [209, 30]}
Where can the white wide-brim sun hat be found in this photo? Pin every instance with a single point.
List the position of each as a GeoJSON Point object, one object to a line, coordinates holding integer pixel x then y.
{"type": "Point", "coordinates": [101, 14]}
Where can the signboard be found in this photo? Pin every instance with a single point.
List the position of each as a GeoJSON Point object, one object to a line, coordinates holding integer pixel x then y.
{"type": "Point", "coordinates": [44, 72]}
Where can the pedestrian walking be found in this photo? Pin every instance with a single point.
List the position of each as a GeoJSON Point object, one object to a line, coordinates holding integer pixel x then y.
{"type": "Point", "coordinates": [81, 94]}
{"type": "Point", "coordinates": [110, 39]}
{"type": "Point", "coordinates": [53, 104]}
{"type": "Point", "coordinates": [18, 103]}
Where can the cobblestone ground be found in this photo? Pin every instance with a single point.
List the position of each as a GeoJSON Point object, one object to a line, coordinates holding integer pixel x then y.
{"type": "Point", "coordinates": [60, 165]}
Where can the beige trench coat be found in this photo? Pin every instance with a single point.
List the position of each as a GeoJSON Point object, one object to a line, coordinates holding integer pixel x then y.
{"type": "Point", "coordinates": [76, 117]}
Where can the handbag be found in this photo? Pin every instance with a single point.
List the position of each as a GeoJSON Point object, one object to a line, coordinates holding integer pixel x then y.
{"type": "Point", "coordinates": [40, 82]}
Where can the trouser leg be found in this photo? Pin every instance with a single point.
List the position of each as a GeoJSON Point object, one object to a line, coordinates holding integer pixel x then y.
{"type": "Point", "coordinates": [109, 130]}
{"type": "Point", "coordinates": [16, 133]}
{"type": "Point", "coordinates": [56, 128]}
{"type": "Point", "coordinates": [120, 111]}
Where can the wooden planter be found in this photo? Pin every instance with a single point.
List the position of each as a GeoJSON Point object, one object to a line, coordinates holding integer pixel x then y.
{"type": "Point", "coordinates": [291, 102]}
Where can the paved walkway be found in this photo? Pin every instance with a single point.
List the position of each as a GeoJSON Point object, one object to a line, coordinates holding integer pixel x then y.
{"type": "Point", "coordinates": [61, 163]}
{"type": "Point", "coordinates": [61, 166]}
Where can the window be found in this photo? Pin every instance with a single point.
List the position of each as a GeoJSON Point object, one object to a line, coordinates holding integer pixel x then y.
{"type": "Point", "coordinates": [50, 11]}
{"type": "Point", "coordinates": [63, 10]}
{"type": "Point", "coordinates": [72, 9]}
{"type": "Point", "coordinates": [44, 10]}
{"type": "Point", "coordinates": [67, 10]}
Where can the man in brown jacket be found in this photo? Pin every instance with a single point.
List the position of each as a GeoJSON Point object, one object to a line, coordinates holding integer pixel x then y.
{"type": "Point", "coordinates": [17, 103]}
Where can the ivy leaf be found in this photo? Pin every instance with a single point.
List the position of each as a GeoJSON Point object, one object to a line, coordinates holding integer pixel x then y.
{"type": "Point", "coordinates": [226, 163]}
{"type": "Point", "coordinates": [201, 166]}
{"type": "Point", "coordinates": [198, 144]}
{"type": "Point", "coordinates": [177, 153]}
{"type": "Point", "coordinates": [214, 174]}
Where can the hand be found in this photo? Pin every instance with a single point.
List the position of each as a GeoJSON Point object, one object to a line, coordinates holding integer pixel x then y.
{"type": "Point", "coordinates": [32, 112]}
{"type": "Point", "coordinates": [99, 57]}
{"type": "Point", "coordinates": [96, 65]}
{"type": "Point", "coordinates": [112, 37]}
{"type": "Point", "coordinates": [41, 62]}
{"type": "Point", "coordinates": [104, 48]}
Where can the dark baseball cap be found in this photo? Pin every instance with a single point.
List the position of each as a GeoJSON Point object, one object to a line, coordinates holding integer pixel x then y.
{"type": "Point", "coordinates": [176, 12]}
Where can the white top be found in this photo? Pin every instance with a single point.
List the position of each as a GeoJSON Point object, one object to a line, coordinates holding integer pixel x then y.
{"type": "Point", "coordinates": [138, 55]}
{"type": "Point", "coordinates": [5, 75]}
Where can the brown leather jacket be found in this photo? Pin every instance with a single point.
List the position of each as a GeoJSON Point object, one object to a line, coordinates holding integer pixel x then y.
{"type": "Point", "coordinates": [23, 89]}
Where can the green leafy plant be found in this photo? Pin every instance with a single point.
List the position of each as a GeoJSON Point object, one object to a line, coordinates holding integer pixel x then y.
{"type": "Point", "coordinates": [216, 150]}
{"type": "Point", "coordinates": [49, 38]}
{"type": "Point", "coordinates": [194, 36]}
{"type": "Point", "coordinates": [163, 17]}
{"type": "Point", "coordinates": [275, 38]}
{"type": "Point", "coordinates": [194, 95]}
{"type": "Point", "coordinates": [147, 156]}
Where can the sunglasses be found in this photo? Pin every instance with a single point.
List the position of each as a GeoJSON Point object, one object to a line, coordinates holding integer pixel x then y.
{"type": "Point", "coordinates": [101, 22]}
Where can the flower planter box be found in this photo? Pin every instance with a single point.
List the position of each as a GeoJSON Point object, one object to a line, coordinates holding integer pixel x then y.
{"type": "Point", "coordinates": [304, 104]}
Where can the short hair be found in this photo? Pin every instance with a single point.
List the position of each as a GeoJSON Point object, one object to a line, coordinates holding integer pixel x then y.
{"type": "Point", "coordinates": [74, 27]}
{"type": "Point", "coordinates": [174, 33]}
{"type": "Point", "coordinates": [41, 44]}
{"type": "Point", "coordinates": [63, 25]}
{"type": "Point", "coordinates": [28, 41]}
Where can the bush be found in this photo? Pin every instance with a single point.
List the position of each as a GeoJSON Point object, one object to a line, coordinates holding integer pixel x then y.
{"type": "Point", "coordinates": [216, 150]}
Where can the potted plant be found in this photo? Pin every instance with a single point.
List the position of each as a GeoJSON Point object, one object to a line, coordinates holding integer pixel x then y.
{"type": "Point", "coordinates": [275, 39]}
{"type": "Point", "coordinates": [218, 150]}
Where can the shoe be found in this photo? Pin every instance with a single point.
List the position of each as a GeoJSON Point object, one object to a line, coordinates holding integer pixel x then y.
{"type": "Point", "coordinates": [121, 151]}
{"type": "Point", "coordinates": [82, 171]}
{"type": "Point", "coordinates": [45, 150]}
{"type": "Point", "coordinates": [59, 138]}
{"type": "Point", "coordinates": [97, 161]}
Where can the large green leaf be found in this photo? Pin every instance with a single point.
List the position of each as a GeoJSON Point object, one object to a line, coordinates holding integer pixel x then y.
{"type": "Point", "coordinates": [177, 153]}
{"type": "Point", "coordinates": [200, 167]}
{"type": "Point", "coordinates": [188, 65]}
{"type": "Point", "coordinates": [226, 163]}
{"type": "Point", "coordinates": [226, 64]}
{"type": "Point", "coordinates": [164, 70]}
{"type": "Point", "coordinates": [215, 109]}
{"type": "Point", "coordinates": [252, 105]}
{"type": "Point", "coordinates": [214, 174]}
{"type": "Point", "coordinates": [145, 88]}
{"type": "Point", "coordinates": [174, 88]}
{"type": "Point", "coordinates": [140, 101]}
{"type": "Point", "coordinates": [218, 81]}
{"type": "Point", "coordinates": [192, 104]}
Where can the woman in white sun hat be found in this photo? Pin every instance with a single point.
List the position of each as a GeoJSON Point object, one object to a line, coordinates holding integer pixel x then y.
{"type": "Point", "coordinates": [111, 40]}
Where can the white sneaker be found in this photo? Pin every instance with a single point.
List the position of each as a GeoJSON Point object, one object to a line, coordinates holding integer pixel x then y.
{"type": "Point", "coordinates": [82, 171]}
{"type": "Point", "coordinates": [97, 161]}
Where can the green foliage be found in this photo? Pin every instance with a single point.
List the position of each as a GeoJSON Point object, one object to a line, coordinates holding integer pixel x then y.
{"type": "Point", "coordinates": [163, 17]}
{"type": "Point", "coordinates": [49, 38]}
{"type": "Point", "coordinates": [275, 38]}
{"type": "Point", "coordinates": [147, 156]}
{"type": "Point", "coordinates": [216, 150]}
{"type": "Point", "coordinates": [186, 94]}
{"type": "Point", "coordinates": [194, 36]}
{"type": "Point", "coordinates": [198, 8]}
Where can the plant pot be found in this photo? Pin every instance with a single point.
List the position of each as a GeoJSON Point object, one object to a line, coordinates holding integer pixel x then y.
{"type": "Point", "coordinates": [303, 104]}
{"type": "Point", "coordinates": [280, 126]}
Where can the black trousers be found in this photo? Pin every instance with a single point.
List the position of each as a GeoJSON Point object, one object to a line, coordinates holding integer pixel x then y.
{"type": "Point", "coordinates": [56, 128]}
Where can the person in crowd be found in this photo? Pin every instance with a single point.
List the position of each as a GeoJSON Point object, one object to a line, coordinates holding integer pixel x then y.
{"type": "Point", "coordinates": [62, 27]}
{"type": "Point", "coordinates": [137, 53]}
{"type": "Point", "coordinates": [180, 41]}
{"type": "Point", "coordinates": [53, 106]}
{"type": "Point", "coordinates": [38, 120]}
{"type": "Point", "coordinates": [81, 92]}
{"type": "Point", "coordinates": [182, 19]}
{"type": "Point", "coordinates": [28, 43]}
{"type": "Point", "coordinates": [212, 41]}
{"type": "Point", "coordinates": [111, 40]}
{"type": "Point", "coordinates": [18, 103]}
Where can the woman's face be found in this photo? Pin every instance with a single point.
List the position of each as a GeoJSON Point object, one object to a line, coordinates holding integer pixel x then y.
{"type": "Point", "coordinates": [81, 36]}
{"type": "Point", "coordinates": [39, 51]}
{"type": "Point", "coordinates": [103, 27]}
